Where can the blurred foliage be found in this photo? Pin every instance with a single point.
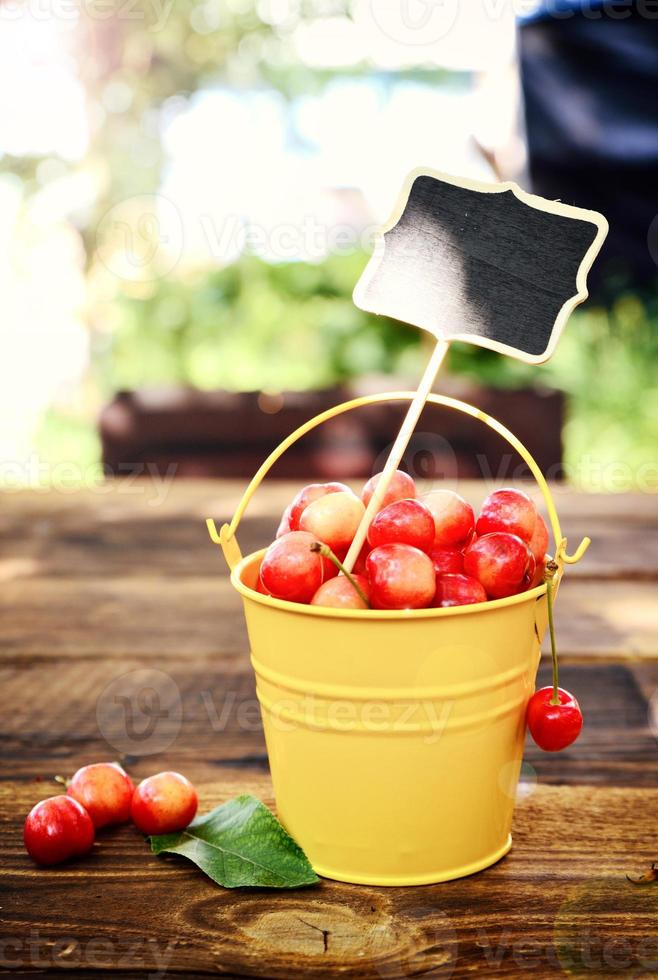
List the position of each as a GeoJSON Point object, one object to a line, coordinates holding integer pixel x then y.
{"type": "Point", "coordinates": [254, 326]}
{"type": "Point", "coordinates": [607, 362]}
{"type": "Point", "coordinates": [293, 326]}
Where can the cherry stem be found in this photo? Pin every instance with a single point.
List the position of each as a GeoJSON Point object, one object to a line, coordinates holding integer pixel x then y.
{"type": "Point", "coordinates": [549, 576]}
{"type": "Point", "coordinates": [326, 552]}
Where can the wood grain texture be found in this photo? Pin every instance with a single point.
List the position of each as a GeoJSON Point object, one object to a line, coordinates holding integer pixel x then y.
{"type": "Point", "coordinates": [152, 617]}
{"type": "Point", "coordinates": [555, 898]}
{"type": "Point", "coordinates": [113, 592]}
{"type": "Point", "coordinates": [212, 723]}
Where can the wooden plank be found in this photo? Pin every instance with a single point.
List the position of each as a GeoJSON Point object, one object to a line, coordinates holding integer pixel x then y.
{"type": "Point", "coordinates": [120, 593]}
{"type": "Point", "coordinates": [211, 726]}
{"type": "Point", "coordinates": [201, 616]}
{"type": "Point", "coordinates": [559, 897]}
{"type": "Point", "coordinates": [137, 531]}
{"type": "Point", "coordinates": [154, 499]}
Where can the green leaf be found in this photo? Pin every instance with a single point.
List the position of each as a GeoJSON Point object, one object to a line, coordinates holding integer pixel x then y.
{"type": "Point", "coordinates": [241, 844]}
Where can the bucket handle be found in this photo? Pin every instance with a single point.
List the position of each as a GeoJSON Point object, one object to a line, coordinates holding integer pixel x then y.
{"type": "Point", "coordinates": [226, 539]}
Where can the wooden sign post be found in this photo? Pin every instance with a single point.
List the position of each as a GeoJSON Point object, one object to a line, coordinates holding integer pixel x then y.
{"type": "Point", "coordinates": [487, 264]}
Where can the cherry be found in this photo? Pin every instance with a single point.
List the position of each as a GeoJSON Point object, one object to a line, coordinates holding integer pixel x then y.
{"type": "Point", "coordinates": [284, 524]}
{"type": "Point", "coordinates": [340, 593]}
{"type": "Point", "coordinates": [105, 791]}
{"type": "Point", "coordinates": [260, 587]}
{"type": "Point", "coordinates": [333, 519]}
{"type": "Point", "coordinates": [164, 803]}
{"type": "Point", "coordinates": [404, 521]}
{"type": "Point", "coordinates": [458, 590]}
{"type": "Point", "coordinates": [553, 715]}
{"type": "Point", "coordinates": [508, 510]}
{"type": "Point", "coordinates": [501, 562]}
{"type": "Point", "coordinates": [401, 487]}
{"type": "Point", "coordinates": [552, 725]}
{"type": "Point", "coordinates": [57, 829]}
{"type": "Point", "coordinates": [539, 541]}
{"type": "Point", "coordinates": [454, 519]}
{"type": "Point", "coordinates": [306, 496]}
{"type": "Point", "coordinates": [289, 570]}
{"type": "Point", "coordinates": [401, 577]}
{"type": "Point", "coordinates": [360, 563]}
{"type": "Point", "coordinates": [446, 561]}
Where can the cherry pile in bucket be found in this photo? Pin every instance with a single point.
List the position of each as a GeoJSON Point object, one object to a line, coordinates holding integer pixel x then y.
{"type": "Point", "coordinates": [427, 551]}
{"type": "Point", "coordinates": [421, 551]}
{"type": "Point", "coordinates": [102, 794]}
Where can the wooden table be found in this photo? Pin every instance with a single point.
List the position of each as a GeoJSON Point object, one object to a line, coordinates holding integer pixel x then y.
{"type": "Point", "coordinates": [118, 589]}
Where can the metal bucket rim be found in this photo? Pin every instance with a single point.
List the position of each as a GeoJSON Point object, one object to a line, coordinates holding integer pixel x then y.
{"type": "Point", "coordinates": [329, 612]}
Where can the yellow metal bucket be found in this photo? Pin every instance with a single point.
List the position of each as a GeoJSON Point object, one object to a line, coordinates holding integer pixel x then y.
{"type": "Point", "coordinates": [394, 738]}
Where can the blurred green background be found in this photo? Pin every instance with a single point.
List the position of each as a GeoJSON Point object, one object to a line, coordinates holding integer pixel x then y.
{"type": "Point", "coordinates": [183, 100]}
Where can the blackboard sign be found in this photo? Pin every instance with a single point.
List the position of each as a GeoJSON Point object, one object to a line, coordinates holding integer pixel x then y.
{"type": "Point", "coordinates": [484, 263]}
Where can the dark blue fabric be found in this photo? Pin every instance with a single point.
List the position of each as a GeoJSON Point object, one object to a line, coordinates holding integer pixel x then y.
{"type": "Point", "coordinates": [561, 9]}
{"type": "Point", "coordinates": [591, 102]}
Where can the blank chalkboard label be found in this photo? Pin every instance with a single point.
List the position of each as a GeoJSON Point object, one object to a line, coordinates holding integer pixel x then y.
{"type": "Point", "coordinates": [484, 263]}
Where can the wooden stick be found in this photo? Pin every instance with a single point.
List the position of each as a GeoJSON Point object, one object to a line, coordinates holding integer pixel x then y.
{"type": "Point", "coordinates": [397, 450]}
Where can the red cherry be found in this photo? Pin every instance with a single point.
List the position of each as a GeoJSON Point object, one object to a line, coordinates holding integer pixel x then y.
{"type": "Point", "coordinates": [508, 510]}
{"type": "Point", "coordinates": [400, 487]}
{"type": "Point", "coordinates": [307, 495]}
{"type": "Point", "coordinates": [341, 594]}
{"type": "Point", "coordinates": [539, 541]}
{"type": "Point", "coordinates": [105, 791]}
{"type": "Point", "coordinates": [333, 519]}
{"type": "Point", "coordinates": [454, 519]}
{"type": "Point", "coordinates": [501, 562]}
{"type": "Point", "coordinates": [404, 521]}
{"type": "Point", "coordinates": [284, 525]}
{"type": "Point", "coordinates": [539, 574]}
{"type": "Point", "coordinates": [290, 570]}
{"type": "Point", "coordinates": [164, 803]}
{"type": "Point", "coordinates": [260, 587]}
{"type": "Point", "coordinates": [401, 577]}
{"type": "Point", "coordinates": [360, 563]}
{"type": "Point", "coordinates": [458, 590]}
{"type": "Point", "coordinates": [554, 726]}
{"type": "Point", "coordinates": [446, 561]}
{"type": "Point", "coordinates": [57, 829]}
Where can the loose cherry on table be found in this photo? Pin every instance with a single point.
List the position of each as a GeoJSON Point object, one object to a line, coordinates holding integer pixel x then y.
{"type": "Point", "coordinates": [401, 577]}
{"type": "Point", "coordinates": [405, 522]}
{"type": "Point", "coordinates": [164, 803]}
{"type": "Point", "coordinates": [57, 829]}
{"type": "Point", "coordinates": [105, 791]}
{"type": "Point", "coordinates": [553, 715]}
